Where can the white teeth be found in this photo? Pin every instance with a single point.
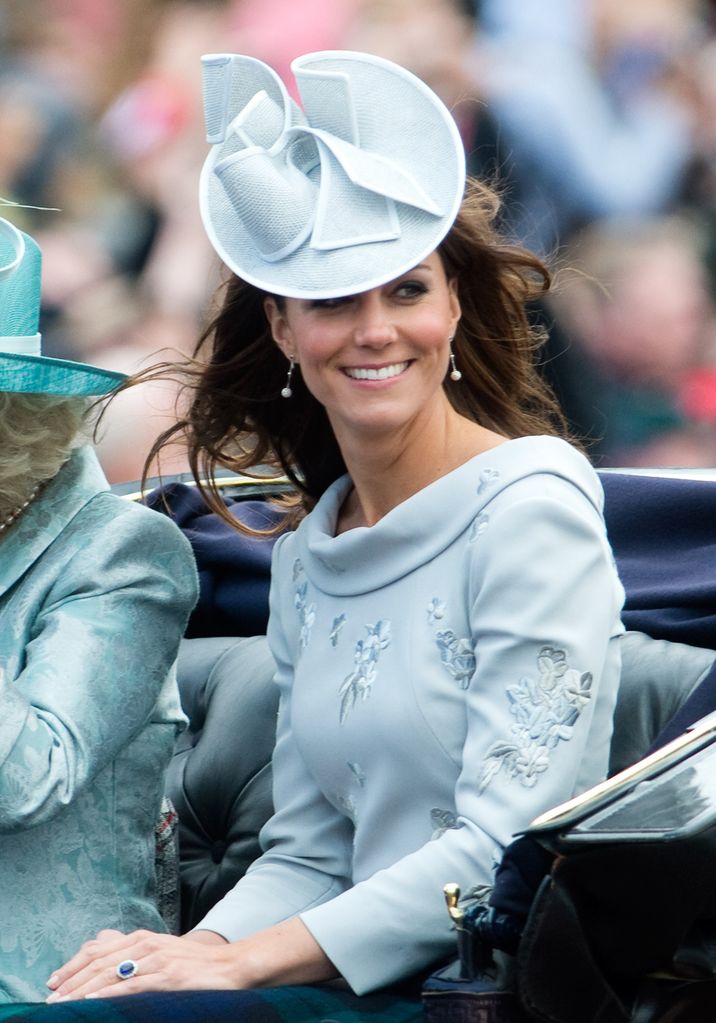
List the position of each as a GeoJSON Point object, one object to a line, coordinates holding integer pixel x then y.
{"type": "Point", "coordinates": [377, 374]}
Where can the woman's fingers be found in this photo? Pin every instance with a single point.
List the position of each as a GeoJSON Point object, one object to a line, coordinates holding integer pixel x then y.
{"type": "Point", "coordinates": [108, 934]}
{"type": "Point", "coordinates": [86, 954]}
{"type": "Point", "coordinates": [105, 982]}
{"type": "Point", "coordinates": [143, 961]}
{"type": "Point", "coordinates": [95, 966]}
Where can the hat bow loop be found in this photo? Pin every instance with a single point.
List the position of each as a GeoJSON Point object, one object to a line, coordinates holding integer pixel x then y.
{"type": "Point", "coordinates": [285, 172]}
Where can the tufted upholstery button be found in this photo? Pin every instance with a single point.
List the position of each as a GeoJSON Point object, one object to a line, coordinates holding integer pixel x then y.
{"type": "Point", "coordinates": [218, 851]}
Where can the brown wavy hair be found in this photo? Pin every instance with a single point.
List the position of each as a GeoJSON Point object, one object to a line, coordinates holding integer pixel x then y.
{"type": "Point", "coordinates": [236, 419]}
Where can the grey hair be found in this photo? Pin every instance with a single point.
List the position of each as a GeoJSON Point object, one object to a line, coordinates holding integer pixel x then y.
{"type": "Point", "coordinates": [37, 435]}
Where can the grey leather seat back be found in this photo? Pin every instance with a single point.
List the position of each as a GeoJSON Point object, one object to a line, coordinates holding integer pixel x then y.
{"type": "Point", "coordinates": [220, 776]}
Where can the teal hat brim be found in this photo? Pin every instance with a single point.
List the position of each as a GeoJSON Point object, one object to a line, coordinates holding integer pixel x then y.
{"type": "Point", "coordinates": [37, 374]}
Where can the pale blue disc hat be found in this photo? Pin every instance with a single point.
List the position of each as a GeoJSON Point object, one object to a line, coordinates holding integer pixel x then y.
{"type": "Point", "coordinates": [342, 194]}
{"type": "Point", "coordinates": [23, 367]}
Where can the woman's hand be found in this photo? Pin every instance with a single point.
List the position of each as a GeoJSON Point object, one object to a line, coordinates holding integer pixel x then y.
{"type": "Point", "coordinates": [201, 959]}
{"type": "Point", "coordinates": [283, 954]}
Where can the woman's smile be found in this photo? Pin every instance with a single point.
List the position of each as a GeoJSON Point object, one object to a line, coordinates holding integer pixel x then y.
{"type": "Point", "coordinates": [377, 373]}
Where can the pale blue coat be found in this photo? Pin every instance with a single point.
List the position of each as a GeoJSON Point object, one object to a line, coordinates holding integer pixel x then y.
{"type": "Point", "coordinates": [445, 675]}
{"type": "Point", "coordinates": [95, 592]}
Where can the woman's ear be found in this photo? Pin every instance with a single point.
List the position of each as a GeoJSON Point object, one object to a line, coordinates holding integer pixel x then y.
{"type": "Point", "coordinates": [278, 325]}
{"type": "Point", "coordinates": [455, 308]}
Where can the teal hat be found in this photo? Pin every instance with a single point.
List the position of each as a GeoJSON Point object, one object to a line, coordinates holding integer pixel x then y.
{"type": "Point", "coordinates": [23, 367]}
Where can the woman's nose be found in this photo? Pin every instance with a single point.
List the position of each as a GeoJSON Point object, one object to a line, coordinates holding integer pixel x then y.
{"type": "Point", "coordinates": [373, 326]}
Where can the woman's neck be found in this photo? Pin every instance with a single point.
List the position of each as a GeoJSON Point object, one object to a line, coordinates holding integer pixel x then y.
{"type": "Point", "coordinates": [387, 470]}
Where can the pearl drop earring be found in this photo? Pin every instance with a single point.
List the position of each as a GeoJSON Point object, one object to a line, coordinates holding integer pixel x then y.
{"type": "Point", "coordinates": [286, 391]}
{"type": "Point", "coordinates": [455, 373]}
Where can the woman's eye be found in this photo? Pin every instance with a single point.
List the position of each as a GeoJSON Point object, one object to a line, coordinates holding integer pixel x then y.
{"type": "Point", "coordinates": [410, 289]}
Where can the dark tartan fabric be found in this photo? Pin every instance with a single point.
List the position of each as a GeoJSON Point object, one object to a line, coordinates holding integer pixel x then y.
{"type": "Point", "coordinates": [272, 1005]}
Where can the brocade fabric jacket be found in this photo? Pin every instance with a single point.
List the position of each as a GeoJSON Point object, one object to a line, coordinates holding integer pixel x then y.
{"type": "Point", "coordinates": [95, 592]}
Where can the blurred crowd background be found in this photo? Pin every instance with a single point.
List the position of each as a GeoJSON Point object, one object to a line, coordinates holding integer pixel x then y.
{"type": "Point", "coordinates": [595, 118]}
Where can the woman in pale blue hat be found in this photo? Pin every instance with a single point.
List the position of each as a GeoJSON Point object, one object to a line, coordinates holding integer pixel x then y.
{"type": "Point", "coordinates": [445, 618]}
{"type": "Point", "coordinates": [95, 592]}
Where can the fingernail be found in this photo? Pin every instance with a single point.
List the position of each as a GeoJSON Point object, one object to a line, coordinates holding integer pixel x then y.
{"type": "Point", "coordinates": [53, 981]}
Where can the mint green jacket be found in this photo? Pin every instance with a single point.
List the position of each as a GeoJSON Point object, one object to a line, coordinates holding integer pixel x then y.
{"type": "Point", "coordinates": [95, 592]}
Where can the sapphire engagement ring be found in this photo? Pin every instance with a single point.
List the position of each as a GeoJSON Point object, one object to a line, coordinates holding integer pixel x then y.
{"type": "Point", "coordinates": [126, 969]}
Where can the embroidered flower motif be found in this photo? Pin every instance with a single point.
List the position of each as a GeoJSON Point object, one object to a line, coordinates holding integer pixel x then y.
{"type": "Point", "coordinates": [359, 683]}
{"type": "Point", "coordinates": [457, 656]}
{"type": "Point", "coordinates": [306, 614]}
{"type": "Point", "coordinates": [357, 773]}
{"type": "Point", "coordinates": [479, 526]}
{"type": "Point", "coordinates": [336, 628]}
{"type": "Point", "coordinates": [436, 610]}
{"type": "Point", "coordinates": [297, 568]}
{"type": "Point", "coordinates": [545, 711]}
{"type": "Point", "coordinates": [442, 821]}
{"type": "Point", "coordinates": [348, 805]}
{"type": "Point", "coordinates": [487, 478]}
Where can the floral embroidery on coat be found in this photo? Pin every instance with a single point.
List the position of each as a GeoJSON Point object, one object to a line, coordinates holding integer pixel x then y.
{"type": "Point", "coordinates": [348, 802]}
{"type": "Point", "coordinates": [457, 656]}
{"type": "Point", "coordinates": [436, 610]}
{"type": "Point", "coordinates": [479, 526]}
{"type": "Point", "coordinates": [442, 821]}
{"type": "Point", "coordinates": [487, 478]}
{"type": "Point", "coordinates": [358, 685]}
{"type": "Point", "coordinates": [348, 805]}
{"type": "Point", "coordinates": [545, 712]}
{"type": "Point", "coordinates": [306, 614]}
{"type": "Point", "coordinates": [358, 773]}
{"type": "Point", "coordinates": [338, 622]}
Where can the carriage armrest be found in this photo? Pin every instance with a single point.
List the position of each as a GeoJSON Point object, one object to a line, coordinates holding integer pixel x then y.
{"type": "Point", "coordinates": [657, 678]}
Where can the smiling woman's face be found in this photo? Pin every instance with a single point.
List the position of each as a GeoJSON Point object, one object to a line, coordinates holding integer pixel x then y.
{"type": "Point", "coordinates": [377, 359]}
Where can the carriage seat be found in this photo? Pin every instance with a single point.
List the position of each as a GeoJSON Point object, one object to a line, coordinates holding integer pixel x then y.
{"type": "Point", "coordinates": [220, 776]}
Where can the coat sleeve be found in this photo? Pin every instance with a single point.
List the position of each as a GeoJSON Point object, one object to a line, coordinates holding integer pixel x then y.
{"type": "Point", "coordinates": [544, 606]}
{"type": "Point", "coordinates": [100, 652]}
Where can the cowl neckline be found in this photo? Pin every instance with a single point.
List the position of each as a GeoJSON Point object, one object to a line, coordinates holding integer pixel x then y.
{"type": "Point", "coordinates": [420, 528]}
